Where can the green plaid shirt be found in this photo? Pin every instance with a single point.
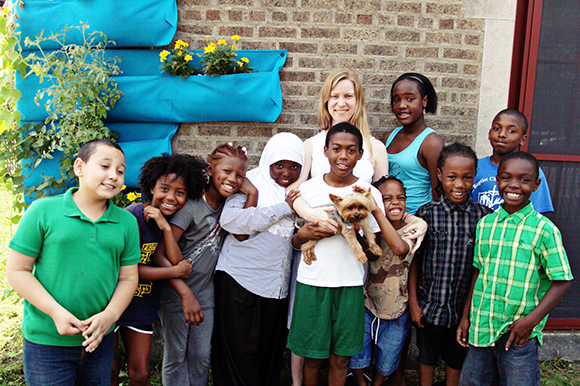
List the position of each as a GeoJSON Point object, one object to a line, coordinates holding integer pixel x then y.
{"type": "Point", "coordinates": [518, 255]}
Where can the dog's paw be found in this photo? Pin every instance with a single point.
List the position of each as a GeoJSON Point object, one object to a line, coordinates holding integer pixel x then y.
{"type": "Point", "coordinates": [361, 257]}
{"type": "Point", "coordinates": [376, 250]}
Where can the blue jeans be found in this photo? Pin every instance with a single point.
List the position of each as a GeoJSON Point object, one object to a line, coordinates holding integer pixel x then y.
{"type": "Point", "coordinates": [383, 342]}
{"type": "Point", "coordinates": [57, 365]}
{"type": "Point", "coordinates": [519, 366]}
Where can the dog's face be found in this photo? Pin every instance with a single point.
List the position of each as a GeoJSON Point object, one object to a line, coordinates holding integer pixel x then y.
{"type": "Point", "coordinates": [354, 207]}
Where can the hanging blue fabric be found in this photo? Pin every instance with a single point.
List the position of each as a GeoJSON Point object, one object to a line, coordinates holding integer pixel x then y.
{"type": "Point", "coordinates": [139, 141]}
{"type": "Point", "coordinates": [128, 23]}
{"type": "Point", "coordinates": [149, 96]}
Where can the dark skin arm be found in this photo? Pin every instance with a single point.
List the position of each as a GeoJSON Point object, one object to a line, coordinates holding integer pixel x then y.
{"type": "Point", "coordinates": [389, 233]}
{"type": "Point", "coordinates": [428, 154]}
{"type": "Point", "coordinates": [463, 328]}
{"type": "Point", "coordinates": [191, 307]}
{"type": "Point", "coordinates": [310, 231]}
{"type": "Point", "coordinates": [414, 274]}
{"type": "Point", "coordinates": [521, 329]}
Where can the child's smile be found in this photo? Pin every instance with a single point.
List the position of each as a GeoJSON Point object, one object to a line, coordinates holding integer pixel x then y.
{"type": "Point", "coordinates": [407, 102]}
{"type": "Point", "coordinates": [505, 134]}
{"type": "Point", "coordinates": [228, 175]}
{"type": "Point", "coordinates": [285, 172]}
{"type": "Point", "coordinates": [343, 153]}
{"type": "Point", "coordinates": [169, 194]}
{"type": "Point", "coordinates": [456, 176]}
{"type": "Point", "coordinates": [516, 181]}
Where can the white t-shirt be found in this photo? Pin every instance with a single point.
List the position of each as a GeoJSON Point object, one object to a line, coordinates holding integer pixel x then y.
{"type": "Point", "coordinates": [336, 264]}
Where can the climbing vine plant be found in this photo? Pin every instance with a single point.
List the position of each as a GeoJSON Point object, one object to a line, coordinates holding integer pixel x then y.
{"type": "Point", "coordinates": [79, 93]}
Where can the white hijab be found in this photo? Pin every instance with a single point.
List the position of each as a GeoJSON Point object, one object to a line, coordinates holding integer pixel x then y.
{"type": "Point", "coordinates": [281, 147]}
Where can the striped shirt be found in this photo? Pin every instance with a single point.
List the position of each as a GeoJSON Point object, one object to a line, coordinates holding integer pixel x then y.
{"type": "Point", "coordinates": [447, 258]}
{"type": "Point", "coordinates": [518, 255]}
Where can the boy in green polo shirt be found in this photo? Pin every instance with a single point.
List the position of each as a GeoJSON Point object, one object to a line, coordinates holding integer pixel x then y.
{"type": "Point", "coordinates": [74, 261]}
{"type": "Point", "coordinates": [522, 273]}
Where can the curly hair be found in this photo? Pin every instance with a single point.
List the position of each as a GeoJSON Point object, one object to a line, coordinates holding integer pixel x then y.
{"type": "Point", "coordinates": [191, 170]}
{"type": "Point", "coordinates": [226, 150]}
{"type": "Point", "coordinates": [384, 179]}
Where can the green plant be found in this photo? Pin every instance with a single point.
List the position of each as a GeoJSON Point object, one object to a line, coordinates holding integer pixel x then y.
{"type": "Point", "coordinates": [220, 59]}
{"type": "Point", "coordinates": [178, 61]}
{"type": "Point", "coordinates": [124, 199]}
{"type": "Point", "coordinates": [79, 95]}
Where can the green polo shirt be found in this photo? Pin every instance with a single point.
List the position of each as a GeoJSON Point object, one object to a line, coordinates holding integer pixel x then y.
{"type": "Point", "coordinates": [77, 260]}
{"type": "Point", "coordinates": [518, 255]}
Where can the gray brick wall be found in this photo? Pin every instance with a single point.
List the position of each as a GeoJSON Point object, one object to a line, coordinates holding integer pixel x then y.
{"type": "Point", "coordinates": [378, 39]}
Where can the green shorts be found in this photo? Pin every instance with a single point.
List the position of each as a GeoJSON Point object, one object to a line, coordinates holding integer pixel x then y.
{"type": "Point", "coordinates": [326, 320]}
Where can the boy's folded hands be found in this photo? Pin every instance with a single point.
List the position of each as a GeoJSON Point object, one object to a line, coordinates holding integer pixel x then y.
{"type": "Point", "coordinates": [67, 324]}
{"type": "Point", "coordinates": [97, 326]}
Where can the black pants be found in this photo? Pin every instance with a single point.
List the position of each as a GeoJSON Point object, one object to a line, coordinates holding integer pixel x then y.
{"type": "Point", "coordinates": [249, 336]}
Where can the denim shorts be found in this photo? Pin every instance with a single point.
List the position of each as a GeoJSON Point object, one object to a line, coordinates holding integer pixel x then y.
{"type": "Point", "coordinates": [518, 366]}
{"type": "Point", "coordinates": [383, 343]}
{"type": "Point", "coordinates": [68, 366]}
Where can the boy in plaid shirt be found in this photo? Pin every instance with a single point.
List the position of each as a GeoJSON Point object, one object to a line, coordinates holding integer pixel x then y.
{"type": "Point", "coordinates": [522, 273]}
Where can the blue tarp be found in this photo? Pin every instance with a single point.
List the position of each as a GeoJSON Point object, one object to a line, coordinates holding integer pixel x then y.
{"type": "Point", "coordinates": [139, 141]}
{"type": "Point", "coordinates": [143, 23]}
{"type": "Point", "coordinates": [149, 96]}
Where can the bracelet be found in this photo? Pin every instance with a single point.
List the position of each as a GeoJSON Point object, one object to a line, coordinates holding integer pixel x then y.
{"type": "Point", "coordinates": [406, 215]}
{"type": "Point", "coordinates": [416, 220]}
{"type": "Point", "coordinates": [292, 245]}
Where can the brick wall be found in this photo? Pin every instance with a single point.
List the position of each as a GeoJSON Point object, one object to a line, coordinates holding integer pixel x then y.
{"type": "Point", "coordinates": [378, 39]}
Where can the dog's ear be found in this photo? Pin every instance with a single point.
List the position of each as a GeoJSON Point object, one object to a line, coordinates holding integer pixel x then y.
{"type": "Point", "coordinates": [368, 193]}
{"type": "Point", "coordinates": [336, 199]}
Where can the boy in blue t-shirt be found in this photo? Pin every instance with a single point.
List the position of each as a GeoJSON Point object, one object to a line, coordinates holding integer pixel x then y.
{"type": "Point", "coordinates": [508, 132]}
{"type": "Point", "coordinates": [74, 261]}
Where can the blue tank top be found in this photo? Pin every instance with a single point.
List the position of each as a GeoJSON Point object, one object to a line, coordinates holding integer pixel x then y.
{"type": "Point", "coordinates": [406, 167]}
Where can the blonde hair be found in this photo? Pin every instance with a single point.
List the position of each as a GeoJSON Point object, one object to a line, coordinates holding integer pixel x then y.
{"type": "Point", "coordinates": [359, 117]}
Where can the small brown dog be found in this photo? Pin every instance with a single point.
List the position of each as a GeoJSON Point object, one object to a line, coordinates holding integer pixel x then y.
{"type": "Point", "coordinates": [352, 212]}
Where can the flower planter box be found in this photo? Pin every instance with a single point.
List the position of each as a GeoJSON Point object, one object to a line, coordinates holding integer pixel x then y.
{"type": "Point", "coordinates": [149, 96]}
{"type": "Point", "coordinates": [139, 141]}
{"type": "Point", "coordinates": [143, 23]}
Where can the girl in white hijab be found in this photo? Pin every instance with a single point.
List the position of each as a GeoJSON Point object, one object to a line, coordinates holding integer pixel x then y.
{"type": "Point", "coordinates": [253, 270]}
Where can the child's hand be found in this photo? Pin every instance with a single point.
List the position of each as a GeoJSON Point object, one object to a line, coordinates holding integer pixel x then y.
{"type": "Point", "coordinates": [292, 195]}
{"type": "Point", "coordinates": [192, 310]}
{"type": "Point", "coordinates": [248, 188]}
{"type": "Point", "coordinates": [152, 213]}
{"type": "Point", "coordinates": [313, 231]}
{"type": "Point", "coordinates": [67, 324]}
{"type": "Point", "coordinates": [521, 330]}
{"type": "Point", "coordinates": [462, 332]}
{"type": "Point", "coordinates": [416, 313]}
{"type": "Point", "coordinates": [358, 189]}
{"type": "Point", "coordinates": [98, 325]}
{"type": "Point", "coordinates": [184, 268]}
{"type": "Point", "coordinates": [417, 232]}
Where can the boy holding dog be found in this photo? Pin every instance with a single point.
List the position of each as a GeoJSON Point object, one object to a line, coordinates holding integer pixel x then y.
{"type": "Point", "coordinates": [328, 316]}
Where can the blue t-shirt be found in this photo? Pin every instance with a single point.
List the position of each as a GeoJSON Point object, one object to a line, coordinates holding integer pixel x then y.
{"type": "Point", "coordinates": [143, 307]}
{"type": "Point", "coordinates": [486, 193]}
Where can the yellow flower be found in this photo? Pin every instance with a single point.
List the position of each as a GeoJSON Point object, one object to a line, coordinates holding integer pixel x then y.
{"type": "Point", "coordinates": [234, 47]}
{"type": "Point", "coordinates": [222, 42]}
{"type": "Point", "coordinates": [179, 53]}
{"type": "Point", "coordinates": [131, 196]}
{"type": "Point", "coordinates": [124, 186]}
{"type": "Point", "coordinates": [240, 64]}
{"type": "Point", "coordinates": [208, 49]}
{"type": "Point", "coordinates": [138, 195]}
{"type": "Point", "coordinates": [245, 60]}
{"type": "Point", "coordinates": [236, 37]}
{"type": "Point", "coordinates": [188, 58]}
{"type": "Point", "coordinates": [5, 10]}
{"type": "Point", "coordinates": [163, 55]}
{"type": "Point", "coordinates": [180, 44]}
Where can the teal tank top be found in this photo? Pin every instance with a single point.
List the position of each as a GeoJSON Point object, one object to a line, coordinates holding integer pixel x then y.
{"type": "Point", "coordinates": [406, 167]}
